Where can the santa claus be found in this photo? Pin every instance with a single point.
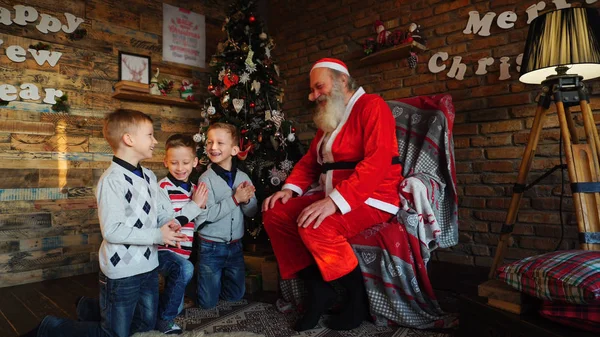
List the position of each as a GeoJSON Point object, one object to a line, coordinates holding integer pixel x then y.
{"type": "Point", "coordinates": [353, 162]}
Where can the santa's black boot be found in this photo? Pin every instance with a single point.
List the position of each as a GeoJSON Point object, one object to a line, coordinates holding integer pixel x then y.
{"type": "Point", "coordinates": [321, 295]}
{"type": "Point", "coordinates": [356, 307]}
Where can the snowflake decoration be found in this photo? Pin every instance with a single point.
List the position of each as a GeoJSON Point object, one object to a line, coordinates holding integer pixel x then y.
{"type": "Point", "coordinates": [256, 123]}
{"type": "Point", "coordinates": [279, 174]}
{"type": "Point", "coordinates": [267, 52]}
{"type": "Point", "coordinates": [244, 78]}
{"type": "Point", "coordinates": [286, 165]}
{"type": "Point", "coordinates": [250, 68]}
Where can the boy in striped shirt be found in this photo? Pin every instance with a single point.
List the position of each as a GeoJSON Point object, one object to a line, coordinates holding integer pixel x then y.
{"type": "Point", "coordinates": [180, 159]}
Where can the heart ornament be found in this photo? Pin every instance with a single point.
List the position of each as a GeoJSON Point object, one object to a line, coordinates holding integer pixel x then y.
{"type": "Point", "coordinates": [238, 104]}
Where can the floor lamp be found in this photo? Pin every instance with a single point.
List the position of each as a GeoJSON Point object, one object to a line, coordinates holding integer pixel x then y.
{"type": "Point", "coordinates": [563, 49]}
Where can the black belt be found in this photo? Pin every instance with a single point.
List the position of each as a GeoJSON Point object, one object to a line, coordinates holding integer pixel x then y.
{"type": "Point", "coordinates": [348, 165]}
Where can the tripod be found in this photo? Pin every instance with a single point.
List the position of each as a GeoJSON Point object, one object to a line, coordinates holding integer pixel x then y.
{"type": "Point", "coordinates": [582, 160]}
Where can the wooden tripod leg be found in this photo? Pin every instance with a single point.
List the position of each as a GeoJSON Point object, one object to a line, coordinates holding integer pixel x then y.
{"type": "Point", "coordinates": [590, 167]}
{"type": "Point", "coordinates": [582, 162]}
{"type": "Point", "coordinates": [525, 167]}
{"type": "Point", "coordinates": [586, 112]}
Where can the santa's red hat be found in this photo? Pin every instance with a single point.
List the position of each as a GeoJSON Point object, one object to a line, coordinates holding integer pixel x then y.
{"type": "Point", "coordinates": [331, 63]}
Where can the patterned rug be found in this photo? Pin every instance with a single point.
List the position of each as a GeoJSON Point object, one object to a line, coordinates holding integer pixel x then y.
{"type": "Point", "coordinates": [264, 319]}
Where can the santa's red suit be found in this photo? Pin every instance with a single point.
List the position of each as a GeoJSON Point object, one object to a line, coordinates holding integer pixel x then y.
{"type": "Point", "coordinates": [364, 195]}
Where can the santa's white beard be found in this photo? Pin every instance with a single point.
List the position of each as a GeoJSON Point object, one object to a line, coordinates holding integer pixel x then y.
{"type": "Point", "coordinates": [329, 115]}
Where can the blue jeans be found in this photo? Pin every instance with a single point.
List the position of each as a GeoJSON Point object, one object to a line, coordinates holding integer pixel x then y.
{"type": "Point", "coordinates": [178, 272]}
{"type": "Point", "coordinates": [127, 306]}
{"type": "Point", "coordinates": [221, 273]}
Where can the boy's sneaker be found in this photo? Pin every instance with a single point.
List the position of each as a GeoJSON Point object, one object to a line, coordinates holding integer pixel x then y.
{"type": "Point", "coordinates": [168, 327]}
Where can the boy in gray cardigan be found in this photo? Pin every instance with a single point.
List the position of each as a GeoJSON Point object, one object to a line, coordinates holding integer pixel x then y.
{"type": "Point", "coordinates": [221, 271]}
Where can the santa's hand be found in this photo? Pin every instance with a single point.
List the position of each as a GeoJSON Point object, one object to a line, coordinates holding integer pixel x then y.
{"type": "Point", "coordinates": [316, 212]}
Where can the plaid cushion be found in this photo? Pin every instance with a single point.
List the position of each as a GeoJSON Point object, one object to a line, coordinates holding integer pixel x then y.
{"type": "Point", "coordinates": [566, 276]}
{"type": "Point", "coordinates": [585, 317]}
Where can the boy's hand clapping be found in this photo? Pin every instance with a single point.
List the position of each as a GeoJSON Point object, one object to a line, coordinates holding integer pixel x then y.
{"type": "Point", "coordinates": [172, 236]}
{"type": "Point", "coordinates": [200, 195]}
{"type": "Point", "coordinates": [244, 192]}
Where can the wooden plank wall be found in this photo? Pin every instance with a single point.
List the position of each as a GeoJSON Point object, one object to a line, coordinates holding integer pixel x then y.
{"type": "Point", "coordinates": [50, 162]}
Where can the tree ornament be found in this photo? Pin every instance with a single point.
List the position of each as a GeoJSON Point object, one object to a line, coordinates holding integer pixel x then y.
{"type": "Point", "coordinates": [252, 105]}
{"type": "Point", "coordinates": [286, 165]}
{"type": "Point", "coordinates": [244, 78]}
{"type": "Point", "coordinates": [256, 86]}
{"type": "Point", "coordinates": [238, 104]}
{"type": "Point", "coordinates": [260, 137]}
{"type": "Point", "coordinates": [245, 47]}
{"type": "Point", "coordinates": [222, 74]}
{"type": "Point", "coordinates": [211, 109]}
{"type": "Point", "coordinates": [249, 60]}
{"type": "Point", "coordinates": [270, 81]}
{"type": "Point", "coordinates": [251, 19]}
{"type": "Point", "coordinates": [262, 36]}
{"type": "Point", "coordinates": [225, 101]}
{"type": "Point", "coordinates": [291, 137]}
{"type": "Point", "coordinates": [231, 80]}
{"type": "Point", "coordinates": [211, 87]}
{"type": "Point", "coordinates": [293, 130]}
{"type": "Point", "coordinates": [199, 137]}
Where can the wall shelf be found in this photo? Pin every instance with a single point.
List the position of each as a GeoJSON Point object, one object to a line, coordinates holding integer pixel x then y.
{"type": "Point", "coordinates": [157, 99]}
{"type": "Point", "coordinates": [398, 52]}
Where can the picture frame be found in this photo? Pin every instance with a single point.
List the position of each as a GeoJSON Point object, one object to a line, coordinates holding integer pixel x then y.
{"type": "Point", "coordinates": [134, 67]}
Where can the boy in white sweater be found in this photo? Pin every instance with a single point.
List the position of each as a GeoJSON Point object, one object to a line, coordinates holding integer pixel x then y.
{"type": "Point", "coordinates": [135, 216]}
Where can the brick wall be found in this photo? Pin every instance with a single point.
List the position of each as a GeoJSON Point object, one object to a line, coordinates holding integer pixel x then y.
{"type": "Point", "coordinates": [493, 116]}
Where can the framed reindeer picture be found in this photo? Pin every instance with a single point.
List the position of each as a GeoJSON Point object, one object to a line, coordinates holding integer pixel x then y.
{"type": "Point", "coordinates": [134, 67]}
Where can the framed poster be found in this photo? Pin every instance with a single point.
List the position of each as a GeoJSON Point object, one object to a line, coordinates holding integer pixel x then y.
{"type": "Point", "coordinates": [134, 67]}
{"type": "Point", "coordinates": [184, 39]}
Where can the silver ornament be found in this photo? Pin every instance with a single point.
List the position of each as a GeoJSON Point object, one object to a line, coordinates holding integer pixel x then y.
{"type": "Point", "coordinates": [211, 110]}
{"type": "Point", "coordinates": [198, 138]}
{"type": "Point", "coordinates": [275, 181]}
{"type": "Point", "coordinates": [291, 137]}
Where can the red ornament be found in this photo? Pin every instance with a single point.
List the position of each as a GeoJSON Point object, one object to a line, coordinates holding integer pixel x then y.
{"type": "Point", "coordinates": [251, 19]}
{"type": "Point", "coordinates": [211, 87]}
{"type": "Point", "coordinates": [244, 131]}
{"type": "Point", "coordinates": [293, 129]}
{"type": "Point", "coordinates": [270, 81]}
{"type": "Point", "coordinates": [252, 105]}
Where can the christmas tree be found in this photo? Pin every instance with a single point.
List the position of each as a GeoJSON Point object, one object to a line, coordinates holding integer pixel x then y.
{"type": "Point", "coordinates": [244, 90]}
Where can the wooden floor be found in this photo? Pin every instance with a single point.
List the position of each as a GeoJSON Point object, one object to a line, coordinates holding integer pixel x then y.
{"type": "Point", "coordinates": [23, 307]}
